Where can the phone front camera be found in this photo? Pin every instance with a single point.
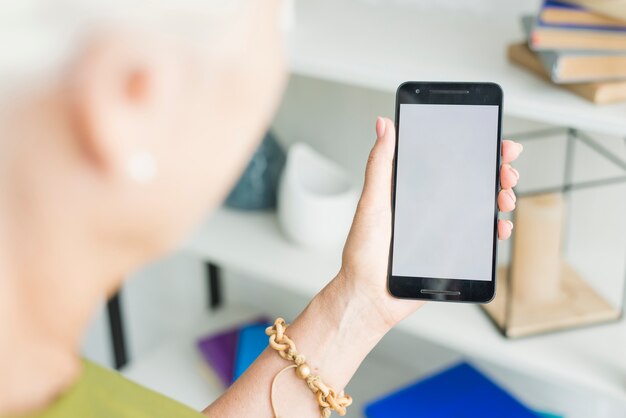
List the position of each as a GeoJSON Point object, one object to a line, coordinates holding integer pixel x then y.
{"type": "Point", "coordinates": [417, 91]}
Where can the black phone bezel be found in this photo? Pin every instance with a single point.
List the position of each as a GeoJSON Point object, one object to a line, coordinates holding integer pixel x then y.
{"type": "Point", "coordinates": [437, 289]}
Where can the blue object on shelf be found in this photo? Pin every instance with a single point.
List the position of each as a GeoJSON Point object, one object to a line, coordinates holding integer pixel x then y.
{"type": "Point", "coordinates": [458, 392]}
{"type": "Point", "coordinates": [258, 185]}
{"type": "Point", "coordinates": [252, 341]}
{"type": "Point", "coordinates": [549, 415]}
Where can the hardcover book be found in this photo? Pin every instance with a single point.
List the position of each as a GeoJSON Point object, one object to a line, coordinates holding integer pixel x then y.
{"type": "Point", "coordinates": [611, 8]}
{"type": "Point", "coordinates": [573, 37]}
{"type": "Point", "coordinates": [597, 92]}
{"type": "Point", "coordinates": [583, 66]}
{"type": "Point", "coordinates": [564, 13]}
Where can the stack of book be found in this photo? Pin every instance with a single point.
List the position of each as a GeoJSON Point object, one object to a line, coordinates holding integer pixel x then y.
{"type": "Point", "coordinates": [578, 44]}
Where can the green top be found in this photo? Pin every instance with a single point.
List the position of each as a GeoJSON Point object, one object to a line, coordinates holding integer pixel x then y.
{"type": "Point", "coordinates": [103, 393]}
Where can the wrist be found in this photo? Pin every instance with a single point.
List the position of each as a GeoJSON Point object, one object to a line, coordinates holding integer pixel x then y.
{"type": "Point", "coordinates": [336, 331]}
{"type": "Point", "coordinates": [359, 312]}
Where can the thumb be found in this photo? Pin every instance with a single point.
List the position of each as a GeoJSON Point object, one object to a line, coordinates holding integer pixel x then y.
{"type": "Point", "coordinates": [377, 189]}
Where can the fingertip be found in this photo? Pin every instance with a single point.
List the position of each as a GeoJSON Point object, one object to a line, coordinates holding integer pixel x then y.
{"type": "Point", "coordinates": [381, 127]}
{"type": "Point", "coordinates": [506, 200]}
{"type": "Point", "coordinates": [385, 141]}
{"type": "Point", "coordinates": [505, 228]}
{"type": "Point", "coordinates": [510, 150]}
{"type": "Point", "coordinates": [508, 176]}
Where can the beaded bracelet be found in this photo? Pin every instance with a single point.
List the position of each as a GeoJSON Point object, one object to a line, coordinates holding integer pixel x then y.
{"type": "Point", "coordinates": [327, 399]}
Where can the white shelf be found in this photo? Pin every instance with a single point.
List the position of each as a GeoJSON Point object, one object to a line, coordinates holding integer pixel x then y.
{"type": "Point", "coordinates": [252, 243]}
{"type": "Point", "coordinates": [175, 369]}
{"type": "Point", "coordinates": [379, 46]}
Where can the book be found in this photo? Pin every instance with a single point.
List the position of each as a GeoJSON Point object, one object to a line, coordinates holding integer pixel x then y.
{"type": "Point", "coordinates": [611, 8]}
{"type": "Point", "coordinates": [573, 37]}
{"type": "Point", "coordinates": [564, 13]}
{"type": "Point", "coordinates": [597, 92]}
{"type": "Point", "coordinates": [458, 392]}
{"type": "Point", "coordinates": [251, 343]}
{"type": "Point", "coordinates": [219, 351]}
{"type": "Point", "coordinates": [571, 66]}
{"type": "Point", "coordinates": [583, 66]}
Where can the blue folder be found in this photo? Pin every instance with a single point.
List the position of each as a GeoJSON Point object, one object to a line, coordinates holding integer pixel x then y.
{"type": "Point", "coordinates": [458, 392]}
{"type": "Point", "coordinates": [251, 343]}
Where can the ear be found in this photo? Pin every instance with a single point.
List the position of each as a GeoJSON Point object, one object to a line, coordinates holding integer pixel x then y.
{"type": "Point", "coordinates": [123, 95]}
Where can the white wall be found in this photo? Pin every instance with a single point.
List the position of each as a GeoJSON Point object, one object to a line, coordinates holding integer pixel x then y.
{"type": "Point", "coordinates": [477, 7]}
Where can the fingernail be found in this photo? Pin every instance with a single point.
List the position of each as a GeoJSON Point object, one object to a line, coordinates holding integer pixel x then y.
{"type": "Point", "coordinates": [514, 172]}
{"type": "Point", "coordinates": [520, 146]}
{"type": "Point", "coordinates": [380, 127]}
{"type": "Point", "coordinates": [511, 195]}
{"type": "Point", "coordinates": [510, 224]}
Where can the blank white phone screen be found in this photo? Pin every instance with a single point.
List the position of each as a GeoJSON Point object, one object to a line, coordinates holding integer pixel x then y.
{"type": "Point", "coordinates": [445, 191]}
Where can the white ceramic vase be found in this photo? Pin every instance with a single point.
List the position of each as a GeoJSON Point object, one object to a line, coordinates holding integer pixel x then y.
{"type": "Point", "coordinates": [316, 199]}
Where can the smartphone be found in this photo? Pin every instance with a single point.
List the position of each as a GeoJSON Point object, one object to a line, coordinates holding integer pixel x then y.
{"type": "Point", "coordinates": [445, 189]}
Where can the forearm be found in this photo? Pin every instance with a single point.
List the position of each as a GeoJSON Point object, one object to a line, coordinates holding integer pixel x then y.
{"type": "Point", "coordinates": [335, 332]}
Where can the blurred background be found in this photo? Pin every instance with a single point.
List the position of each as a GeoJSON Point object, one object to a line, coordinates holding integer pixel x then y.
{"type": "Point", "coordinates": [563, 72]}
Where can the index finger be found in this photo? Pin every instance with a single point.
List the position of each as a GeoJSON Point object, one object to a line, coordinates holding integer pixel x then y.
{"type": "Point", "coordinates": [510, 150]}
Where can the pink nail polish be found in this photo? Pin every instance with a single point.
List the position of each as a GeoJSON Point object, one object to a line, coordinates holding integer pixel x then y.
{"type": "Point", "coordinates": [380, 127]}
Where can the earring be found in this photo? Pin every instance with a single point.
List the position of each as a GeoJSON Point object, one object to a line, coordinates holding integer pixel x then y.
{"type": "Point", "coordinates": [142, 167]}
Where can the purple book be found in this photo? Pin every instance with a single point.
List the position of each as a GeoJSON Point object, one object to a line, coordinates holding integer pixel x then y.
{"type": "Point", "coordinates": [219, 351]}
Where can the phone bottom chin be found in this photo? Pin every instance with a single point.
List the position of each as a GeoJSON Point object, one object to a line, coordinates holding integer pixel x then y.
{"type": "Point", "coordinates": [441, 290]}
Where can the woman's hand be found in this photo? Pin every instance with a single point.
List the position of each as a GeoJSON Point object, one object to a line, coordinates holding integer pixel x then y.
{"type": "Point", "coordinates": [365, 255]}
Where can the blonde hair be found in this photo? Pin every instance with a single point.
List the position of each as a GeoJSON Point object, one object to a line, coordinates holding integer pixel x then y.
{"type": "Point", "coordinates": [39, 36]}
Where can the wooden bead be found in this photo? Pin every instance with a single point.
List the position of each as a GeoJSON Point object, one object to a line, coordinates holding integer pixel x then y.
{"type": "Point", "coordinates": [303, 371]}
